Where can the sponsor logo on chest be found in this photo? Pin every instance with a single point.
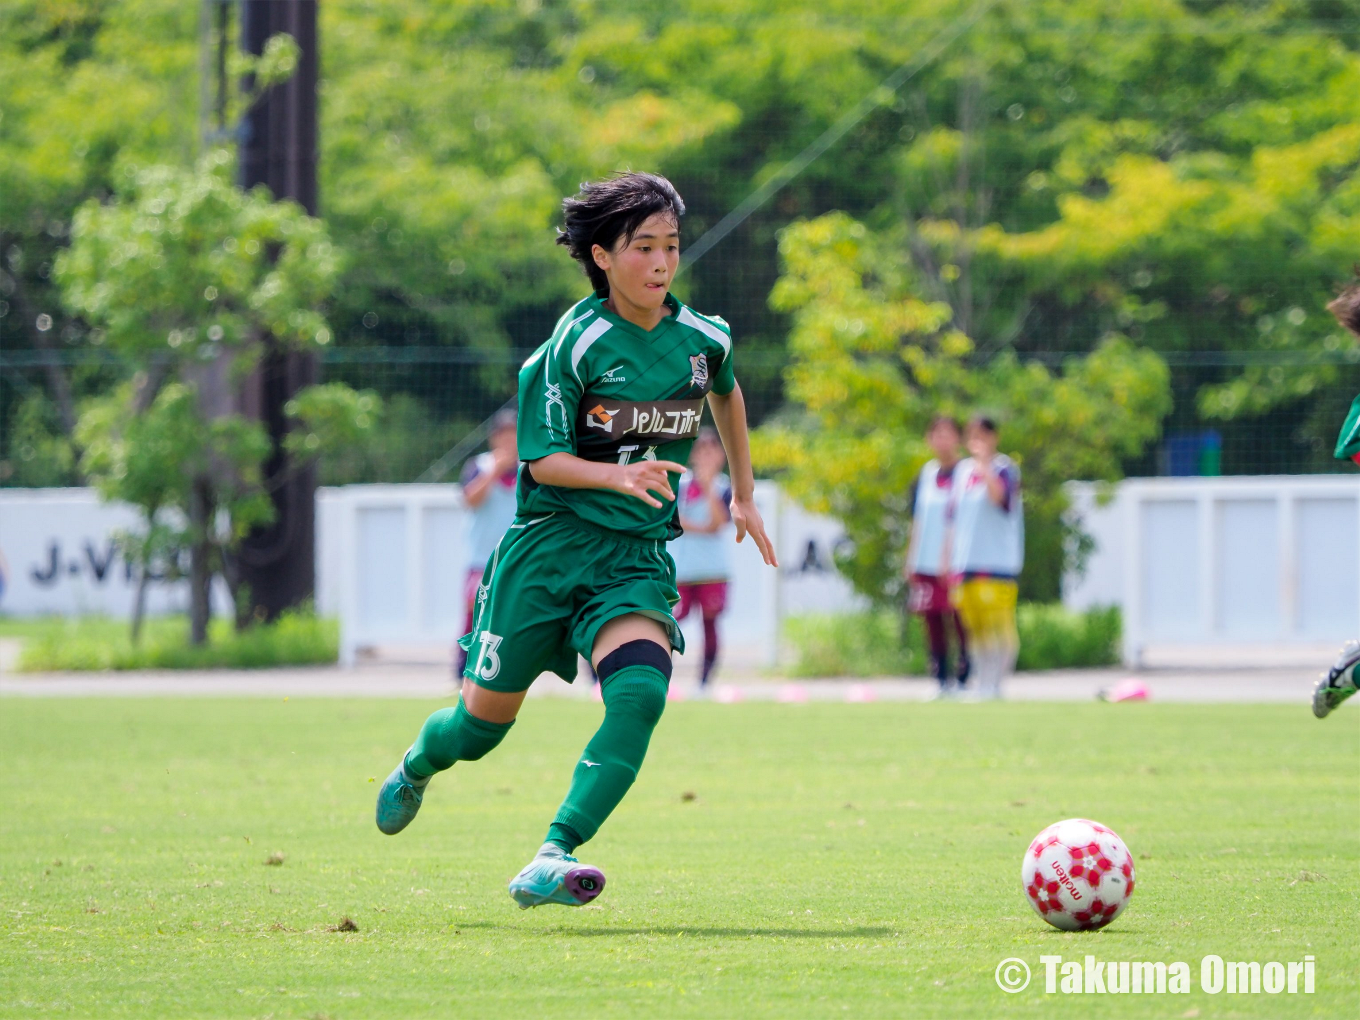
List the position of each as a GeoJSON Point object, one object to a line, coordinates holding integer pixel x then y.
{"type": "Point", "coordinates": [671, 419]}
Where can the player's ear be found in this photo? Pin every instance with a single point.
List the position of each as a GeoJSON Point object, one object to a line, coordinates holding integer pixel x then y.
{"type": "Point", "coordinates": [600, 256]}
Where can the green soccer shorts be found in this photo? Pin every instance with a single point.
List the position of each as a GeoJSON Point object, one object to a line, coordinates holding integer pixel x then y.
{"type": "Point", "coordinates": [550, 586]}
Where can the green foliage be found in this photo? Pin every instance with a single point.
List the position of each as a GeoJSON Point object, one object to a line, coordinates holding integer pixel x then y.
{"type": "Point", "coordinates": [1177, 171]}
{"type": "Point", "coordinates": [151, 459]}
{"type": "Point", "coordinates": [871, 363]}
{"type": "Point", "coordinates": [40, 454]}
{"type": "Point", "coordinates": [1051, 637]}
{"type": "Point", "coordinates": [881, 642]}
{"type": "Point", "coordinates": [97, 644]}
{"type": "Point", "coordinates": [329, 417]}
{"type": "Point", "coordinates": [404, 440]}
{"type": "Point", "coordinates": [789, 906]}
{"type": "Point", "coordinates": [184, 264]}
{"type": "Point", "coordinates": [1201, 252]}
{"type": "Point", "coordinates": [195, 281]}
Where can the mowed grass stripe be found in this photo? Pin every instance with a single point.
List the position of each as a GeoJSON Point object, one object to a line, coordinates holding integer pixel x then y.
{"type": "Point", "coordinates": [773, 860]}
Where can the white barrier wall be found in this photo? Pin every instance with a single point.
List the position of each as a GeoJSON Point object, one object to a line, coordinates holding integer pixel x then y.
{"type": "Point", "coordinates": [1250, 563]}
{"type": "Point", "coordinates": [1195, 564]}
{"type": "Point", "coordinates": [392, 560]}
{"type": "Point", "coordinates": [58, 556]}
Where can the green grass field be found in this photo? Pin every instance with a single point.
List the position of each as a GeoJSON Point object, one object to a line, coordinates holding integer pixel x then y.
{"type": "Point", "coordinates": [773, 860]}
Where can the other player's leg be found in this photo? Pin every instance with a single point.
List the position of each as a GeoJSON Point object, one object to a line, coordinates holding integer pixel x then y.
{"type": "Point", "coordinates": [1339, 682]}
{"type": "Point", "coordinates": [633, 660]}
{"type": "Point", "coordinates": [937, 645]}
{"type": "Point", "coordinates": [712, 602]}
{"type": "Point", "coordinates": [962, 664]}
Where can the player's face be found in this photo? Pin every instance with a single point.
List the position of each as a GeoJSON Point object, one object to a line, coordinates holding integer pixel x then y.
{"type": "Point", "coordinates": [640, 272]}
{"type": "Point", "coordinates": [981, 442]}
{"type": "Point", "coordinates": [944, 442]}
{"type": "Point", "coordinates": [707, 457]}
{"type": "Point", "coordinates": [504, 439]}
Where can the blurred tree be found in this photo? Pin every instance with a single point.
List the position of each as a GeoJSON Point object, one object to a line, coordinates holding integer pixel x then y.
{"type": "Point", "coordinates": [179, 470]}
{"type": "Point", "coordinates": [450, 130]}
{"type": "Point", "coordinates": [871, 364]}
{"type": "Point", "coordinates": [84, 85]}
{"type": "Point", "coordinates": [187, 276]}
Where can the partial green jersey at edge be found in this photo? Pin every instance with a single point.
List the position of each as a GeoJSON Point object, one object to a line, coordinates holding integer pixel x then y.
{"type": "Point", "coordinates": [605, 389]}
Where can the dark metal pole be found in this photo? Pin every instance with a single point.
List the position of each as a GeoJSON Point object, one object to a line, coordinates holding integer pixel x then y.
{"type": "Point", "coordinates": [278, 149]}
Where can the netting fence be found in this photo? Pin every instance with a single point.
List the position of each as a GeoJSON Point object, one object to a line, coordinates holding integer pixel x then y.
{"type": "Point", "coordinates": [436, 398]}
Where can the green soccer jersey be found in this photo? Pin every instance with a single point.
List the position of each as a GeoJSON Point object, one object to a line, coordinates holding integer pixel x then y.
{"type": "Point", "coordinates": [605, 389]}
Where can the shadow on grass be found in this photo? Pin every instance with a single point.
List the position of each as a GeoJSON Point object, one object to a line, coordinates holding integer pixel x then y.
{"type": "Point", "coordinates": [700, 931]}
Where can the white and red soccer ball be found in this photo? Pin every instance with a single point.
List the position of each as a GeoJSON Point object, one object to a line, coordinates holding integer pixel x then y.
{"type": "Point", "coordinates": [1078, 875]}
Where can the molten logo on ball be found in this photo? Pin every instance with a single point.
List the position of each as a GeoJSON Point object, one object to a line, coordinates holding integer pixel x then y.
{"type": "Point", "coordinates": [1078, 875]}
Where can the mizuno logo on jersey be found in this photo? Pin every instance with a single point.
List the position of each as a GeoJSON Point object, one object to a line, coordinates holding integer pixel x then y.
{"type": "Point", "coordinates": [610, 377]}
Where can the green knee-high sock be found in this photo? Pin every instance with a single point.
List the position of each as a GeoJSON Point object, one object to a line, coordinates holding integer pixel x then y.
{"type": "Point", "coordinates": [450, 735]}
{"type": "Point", "coordinates": [634, 699]}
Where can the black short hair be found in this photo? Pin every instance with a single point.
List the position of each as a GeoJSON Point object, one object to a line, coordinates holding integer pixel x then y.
{"type": "Point", "coordinates": [984, 422]}
{"type": "Point", "coordinates": [1346, 306]}
{"type": "Point", "coordinates": [945, 419]}
{"type": "Point", "coordinates": [604, 211]}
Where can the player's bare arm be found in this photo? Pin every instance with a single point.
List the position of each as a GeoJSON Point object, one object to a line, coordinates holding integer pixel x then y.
{"type": "Point", "coordinates": [639, 479]}
{"type": "Point", "coordinates": [729, 414]}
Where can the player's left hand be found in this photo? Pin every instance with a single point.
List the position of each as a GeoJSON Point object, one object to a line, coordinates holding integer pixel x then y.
{"type": "Point", "coordinates": [747, 519]}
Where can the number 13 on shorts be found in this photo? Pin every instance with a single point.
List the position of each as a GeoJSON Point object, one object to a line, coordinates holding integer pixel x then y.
{"type": "Point", "coordinates": [488, 662]}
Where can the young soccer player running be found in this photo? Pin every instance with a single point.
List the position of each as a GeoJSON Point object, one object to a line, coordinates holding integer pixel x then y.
{"type": "Point", "coordinates": [1341, 681]}
{"type": "Point", "coordinates": [608, 410]}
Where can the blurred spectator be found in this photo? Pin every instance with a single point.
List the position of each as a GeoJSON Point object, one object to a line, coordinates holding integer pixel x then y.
{"type": "Point", "coordinates": [701, 553]}
{"type": "Point", "coordinates": [926, 567]}
{"type": "Point", "coordinates": [987, 552]}
{"type": "Point", "coordinates": [489, 492]}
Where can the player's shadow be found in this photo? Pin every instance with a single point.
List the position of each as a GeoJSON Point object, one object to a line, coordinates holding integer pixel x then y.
{"type": "Point", "coordinates": [699, 931]}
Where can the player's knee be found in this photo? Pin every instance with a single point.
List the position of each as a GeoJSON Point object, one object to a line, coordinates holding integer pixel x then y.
{"type": "Point", "coordinates": [640, 693]}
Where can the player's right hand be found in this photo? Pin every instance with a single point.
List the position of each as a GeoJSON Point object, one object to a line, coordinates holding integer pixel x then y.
{"type": "Point", "coordinates": [641, 478]}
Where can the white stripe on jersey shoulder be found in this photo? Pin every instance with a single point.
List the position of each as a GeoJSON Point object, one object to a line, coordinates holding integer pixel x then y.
{"type": "Point", "coordinates": [557, 348]}
{"type": "Point", "coordinates": [588, 336]}
{"type": "Point", "coordinates": [713, 332]}
{"type": "Point", "coordinates": [537, 354]}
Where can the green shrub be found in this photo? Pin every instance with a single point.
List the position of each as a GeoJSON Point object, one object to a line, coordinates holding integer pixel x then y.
{"type": "Point", "coordinates": [1052, 637]}
{"type": "Point", "coordinates": [855, 644]}
{"type": "Point", "coordinates": [101, 643]}
{"type": "Point", "coordinates": [874, 643]}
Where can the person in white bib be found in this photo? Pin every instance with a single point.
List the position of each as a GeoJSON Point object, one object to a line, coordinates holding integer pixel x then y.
{"type": "Point", "coordinates": [927, 568]}
{"type": "Point", "coordinates": [701, 554]}
{"type": "Point", "coordinates": [987, 553]}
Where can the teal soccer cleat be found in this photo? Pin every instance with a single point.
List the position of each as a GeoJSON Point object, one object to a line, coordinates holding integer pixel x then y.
{"type": "Point", "coordinates": [556, 877]}
{"type": "Point", "coordinates": [399, 799]}
{"type": "Point", "coordinates": [1338, 683]}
